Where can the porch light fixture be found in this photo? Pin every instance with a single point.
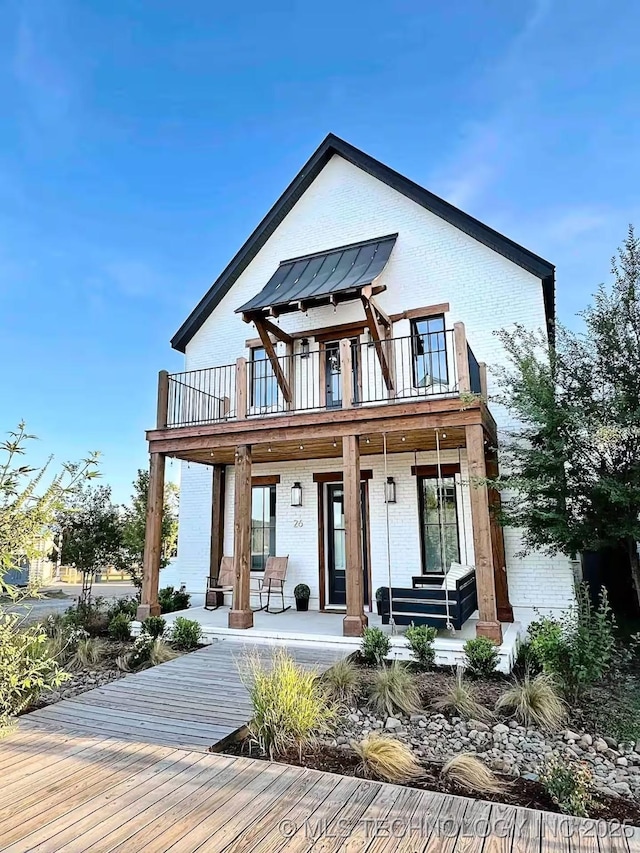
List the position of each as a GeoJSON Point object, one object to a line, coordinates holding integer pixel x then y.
{"type": "Point", "coordinates": [390, 491]}
{"type": "Point", "coordinates": [304, 348]}
{"type": "Point", "coordinates": [296, 494]}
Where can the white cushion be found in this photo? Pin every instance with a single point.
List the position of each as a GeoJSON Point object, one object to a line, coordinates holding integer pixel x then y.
{"type": "Point", "coordinates": [456, 571]}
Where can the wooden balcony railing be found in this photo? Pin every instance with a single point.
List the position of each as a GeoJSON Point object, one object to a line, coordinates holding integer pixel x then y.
{"type": "Point", "coordinates": [358, 373]}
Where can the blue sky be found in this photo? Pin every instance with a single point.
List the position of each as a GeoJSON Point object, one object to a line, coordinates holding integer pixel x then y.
{"type": "Point", "coordinates": [142, 140]}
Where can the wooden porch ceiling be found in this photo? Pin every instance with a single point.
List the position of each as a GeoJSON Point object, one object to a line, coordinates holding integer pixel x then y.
{"type": "Point", "coordinates": [327, 448]}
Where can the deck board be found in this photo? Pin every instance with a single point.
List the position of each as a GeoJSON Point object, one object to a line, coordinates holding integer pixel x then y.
{"type": "Point", "coordinates": [193, 702]}
{"type": "Point", "coordinates": [107, 795]}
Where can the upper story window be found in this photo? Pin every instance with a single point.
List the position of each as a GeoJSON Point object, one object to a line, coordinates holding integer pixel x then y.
{"type": "Point", "coordinates": [428, 341]}
{"type": "Point", "coordinates": [264, 386]}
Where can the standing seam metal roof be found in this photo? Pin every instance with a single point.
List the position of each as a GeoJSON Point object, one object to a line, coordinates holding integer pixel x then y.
{"type": "Point", "coordinates": [322, 274]}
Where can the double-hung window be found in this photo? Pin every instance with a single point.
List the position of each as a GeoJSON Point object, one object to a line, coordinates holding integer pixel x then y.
{"type": "Point", "coordinates": [264, 386]}
{"type": "Point", "coordinates": [429, 348]}
{"type": "Point", "coordinates": [263, 526]}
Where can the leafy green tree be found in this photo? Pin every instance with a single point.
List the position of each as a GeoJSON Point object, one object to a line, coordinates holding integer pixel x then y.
{"type": "Point", "coordinates": [573, 456]}
{"type": "Point", "coordinates": [135, 522]}
{"type": "Point", "coordinates": [30, 500]}
{"type": "Point", "coordinates": [92, 534]}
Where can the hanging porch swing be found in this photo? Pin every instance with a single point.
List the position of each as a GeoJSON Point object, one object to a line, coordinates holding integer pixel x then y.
{"type": "Point", "coordinates": [442, 601]}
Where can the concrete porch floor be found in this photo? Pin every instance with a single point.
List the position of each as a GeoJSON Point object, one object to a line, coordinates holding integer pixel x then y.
{"type": "Point", "coordinates": [292, 627]}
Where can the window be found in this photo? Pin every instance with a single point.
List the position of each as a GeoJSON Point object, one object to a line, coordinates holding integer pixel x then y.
{"type": "Point", "coordinates": [264, 386]}
{"type": "Point", "coordinates": [429, 352]}
{"type": "Point", "coordinates": [438, 524]}
{"type": "Point", "coordinates": [263, 526]}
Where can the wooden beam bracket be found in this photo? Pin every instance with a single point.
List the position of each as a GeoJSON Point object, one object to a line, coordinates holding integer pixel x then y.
{"type": "Point", "coordinates": [267, 343]}
{"type": "Point", "coordinates": [379, 338]}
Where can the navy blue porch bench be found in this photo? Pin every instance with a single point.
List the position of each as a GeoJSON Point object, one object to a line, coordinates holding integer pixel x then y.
{"type": "Point", "coordinates": [425, 603]}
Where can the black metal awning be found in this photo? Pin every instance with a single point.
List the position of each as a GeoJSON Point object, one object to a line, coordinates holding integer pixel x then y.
{"type": "Point", "coordinates": [325, 277]}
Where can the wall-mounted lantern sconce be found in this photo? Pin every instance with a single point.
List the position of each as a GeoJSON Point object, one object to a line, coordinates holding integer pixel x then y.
{"type": "Point", "coordinates": [390, 491]}
{"type": "Point", "coordinates": [296, 495]}
{"type": "Point", "coordinates": [304, 348]}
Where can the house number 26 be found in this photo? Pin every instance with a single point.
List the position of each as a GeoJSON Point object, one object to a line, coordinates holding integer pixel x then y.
{"type": "Point", "coordinates": [298, 522]}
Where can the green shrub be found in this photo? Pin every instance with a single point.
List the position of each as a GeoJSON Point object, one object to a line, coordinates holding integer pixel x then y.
{"type": "Point", "coordinates": [171, 599]}
{"type": "Point", "coordinates": [185, 633]}
{"type": "Point", "coordinates": [343, 681]}
{"type": "Point", "coordinates": [128, 605]}
{"type": "Point", "coordinates": [394, 689]}
{"type": "Point", "coordinates": [165, 599]}
{"type": "Point", "coordinates": [578, 649]}
{"type": "Point", "coordinates": [535, 702]}
{"type": "Point", "coordinates": [421, 639]}
{"type": "Point", "coordinates": [569, 785]}
{"type": "Point", "coordinates": [290, 706]}
{"type": "Point", "coordinates": [302, 592]}
{"type": "Point", "coordinates": [91, 616]}
{"type": "Point", "coordinates": [147, 651]}
{"type": "Point", "coordinates": [154, 626]}
{"type": "Point", "coordinates": [480, 657]}
{"type": "Point", "coordinates": [181, 600]}
{"type": "Point", "coordinates": [120, 627]}
{"type": "Point", "coordinates": [376, 645]}
{"type": "Point", "coordinates": [26, 666]}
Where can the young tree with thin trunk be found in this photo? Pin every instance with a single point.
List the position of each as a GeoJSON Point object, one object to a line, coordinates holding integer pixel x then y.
{"type": "Point", "coordinates": [573, 458]}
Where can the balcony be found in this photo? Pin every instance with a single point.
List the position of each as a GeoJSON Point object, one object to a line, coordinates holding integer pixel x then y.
{"type": "Point", "coordinates": [346, 375]}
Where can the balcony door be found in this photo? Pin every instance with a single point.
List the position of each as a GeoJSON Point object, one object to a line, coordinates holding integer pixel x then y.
{"type": "Point", "coordinates": [333, 373]}
{"type": "Point", "coordinates": [335, 536]}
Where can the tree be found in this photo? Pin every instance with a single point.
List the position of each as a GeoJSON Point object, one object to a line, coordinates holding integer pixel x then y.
{"type": "Point", "coordinates": [91, 534]}
{"type": "Point", "coordinates": [28, 503]}
{"type": "Point", "coordinates": [135, 521]}
{"type": "Point", "coordinates": [573, 458]}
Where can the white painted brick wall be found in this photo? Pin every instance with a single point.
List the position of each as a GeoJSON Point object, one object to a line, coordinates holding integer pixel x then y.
{"type": "Point", "coordinates": [432, 262]}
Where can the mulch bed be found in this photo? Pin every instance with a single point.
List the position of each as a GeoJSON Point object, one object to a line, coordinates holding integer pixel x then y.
{"type": "Point", "coordinates": [520, 792]}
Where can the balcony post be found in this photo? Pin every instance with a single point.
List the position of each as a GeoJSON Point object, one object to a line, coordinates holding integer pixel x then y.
{"type": "Point", "coordinates": [346, 373]}
{"type": "Point", "coordinates": [153, 540]}
{"type": "Point", "coordinates": [488, 624]}
{"type": "Point", "coordinates": [484, 390]}
{"type": "Point", "coordinates": [241, 388]}
{"type": "Point", "coordinates": [241, 615]}
{"type": "Point", "coordinates": [162, 414]}
{"type": "Point", "coordinates": [217, 520]}
{"type": "Point", "coordinates": [355, 620]}
{"type": "Point", "coordinates": [462, 358]}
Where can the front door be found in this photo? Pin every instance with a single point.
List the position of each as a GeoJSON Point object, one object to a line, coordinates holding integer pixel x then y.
{"type": "Point", "coordinates": [336, 546]}
{"type": "Point", "coordinates": [333, 375]}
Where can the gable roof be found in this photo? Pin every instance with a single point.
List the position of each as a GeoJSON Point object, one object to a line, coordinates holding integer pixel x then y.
{"type": "Point", "coordinates": [334, 145]}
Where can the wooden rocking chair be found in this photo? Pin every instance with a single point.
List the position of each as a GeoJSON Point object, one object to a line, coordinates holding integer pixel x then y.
{"type": "Point", "coordinates": [275, 574]}
{"type": "Point", "coordinates": [214, 596]}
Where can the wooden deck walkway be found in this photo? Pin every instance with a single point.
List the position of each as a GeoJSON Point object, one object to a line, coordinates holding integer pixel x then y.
{"type": "Point", "coordinates": [78, 794]}
{"type": "Point", "coordinates": [192, 702]}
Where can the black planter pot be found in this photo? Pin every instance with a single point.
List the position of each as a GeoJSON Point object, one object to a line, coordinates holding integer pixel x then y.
{"type": "Point", "coordinates": [302, 604]}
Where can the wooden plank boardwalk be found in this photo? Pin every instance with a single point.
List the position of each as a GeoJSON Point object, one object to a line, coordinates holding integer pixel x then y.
{"type": "Point", "coordinates": [81, 794]}
{"type": "Point", "coordinates": [192, 702]}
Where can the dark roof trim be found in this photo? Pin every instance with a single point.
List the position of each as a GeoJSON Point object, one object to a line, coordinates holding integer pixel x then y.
{"type": "Point", "coordinates": [334, 145]}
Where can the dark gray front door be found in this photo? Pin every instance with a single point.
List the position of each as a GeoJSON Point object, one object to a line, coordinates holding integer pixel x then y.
{"type": "Point", "coordinates": [336, 546]}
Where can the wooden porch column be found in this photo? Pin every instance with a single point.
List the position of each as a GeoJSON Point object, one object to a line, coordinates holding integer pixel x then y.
{"type": "Point", "coordinates": [488, 624]}
{"type": "Point", "coordinates": [462, 358]}
{"type": "Point", "coordinates": [241, 615]}
{"type": "Point", "coordinates": [217, 520]}
{"type": "Point", "coordinates": [503, 604]}
{"type": "Point", "coordinates": [153, 540]}
{"type": "Point", "coordinates": [355, 620]}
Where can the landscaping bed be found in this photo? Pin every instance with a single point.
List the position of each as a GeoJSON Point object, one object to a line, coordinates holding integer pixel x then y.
{"type": "Point", "coordinates": [518, 791]}
{"type": "Point", "coordinates": [561, 733]}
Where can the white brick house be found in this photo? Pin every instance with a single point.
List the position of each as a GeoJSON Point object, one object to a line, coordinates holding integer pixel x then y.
{"type": "Point", "coordinates": [415, 290]}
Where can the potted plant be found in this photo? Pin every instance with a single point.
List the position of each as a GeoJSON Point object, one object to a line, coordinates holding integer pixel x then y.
{"type": "Point", "coordinates": [301, 594]}
{"type": "Point", "coordinates": [379, 600]}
